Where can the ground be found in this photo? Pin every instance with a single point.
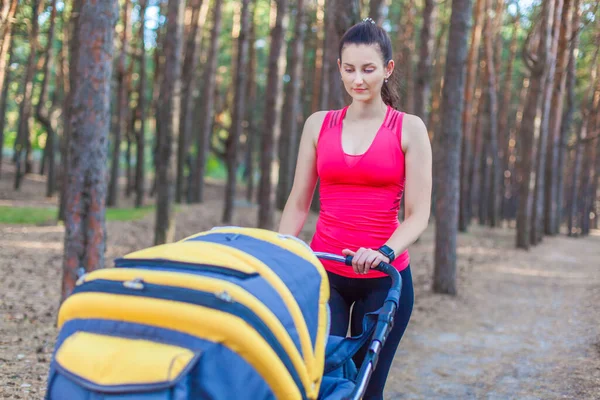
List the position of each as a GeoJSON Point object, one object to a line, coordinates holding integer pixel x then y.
{"type": "Point", "coordinates": [524, 324]}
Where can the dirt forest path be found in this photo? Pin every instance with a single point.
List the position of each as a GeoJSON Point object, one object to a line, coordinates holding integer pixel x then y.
{"type": "Point", "coordinates": [524, 325]}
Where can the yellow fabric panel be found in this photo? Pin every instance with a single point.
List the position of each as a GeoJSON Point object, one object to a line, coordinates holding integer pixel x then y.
{"type": "Point", "coordinates": [212, 285]}
{"type": "Point", "coordinates": [106, 360]}
{"type": "Point", "coordinates": [196, 252]}
{"type": "Point", "coordinates": [216, 326]}
{"type": "Point", "coordinates": [290, 244]}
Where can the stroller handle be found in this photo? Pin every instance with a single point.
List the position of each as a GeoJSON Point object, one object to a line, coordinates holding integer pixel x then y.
{"type": "Point", "coordinates": [383, 326]}
{"type": "Point", "coordinates": [388, 269]}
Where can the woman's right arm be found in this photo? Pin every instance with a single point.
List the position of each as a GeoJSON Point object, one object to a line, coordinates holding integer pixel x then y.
{"type": "Point", "coordinates": [305, 178]}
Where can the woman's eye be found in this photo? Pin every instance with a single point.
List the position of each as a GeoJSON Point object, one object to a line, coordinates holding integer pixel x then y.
{"type": "Point", "coordinates": [368, 71]}
{"type": "Point", "coordinates": [348, 70]}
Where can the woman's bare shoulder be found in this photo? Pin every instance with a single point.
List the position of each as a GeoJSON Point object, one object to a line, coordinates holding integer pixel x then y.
{"type": "Point", "coordinates": [413, 130]}
{"type": "Point", "coordinates": [312, 125]}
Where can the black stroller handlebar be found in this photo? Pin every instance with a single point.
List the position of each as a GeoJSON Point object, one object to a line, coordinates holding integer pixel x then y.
{"type": "Point", "coordinates": [384, 321]}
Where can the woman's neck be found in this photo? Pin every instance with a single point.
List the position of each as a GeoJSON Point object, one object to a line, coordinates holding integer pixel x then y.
{"type": "Point", "coordinates": [363, 110]}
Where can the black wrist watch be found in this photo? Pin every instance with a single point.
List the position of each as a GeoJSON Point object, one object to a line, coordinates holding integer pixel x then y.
{"type": "Point", "coordinates": [388, 252]}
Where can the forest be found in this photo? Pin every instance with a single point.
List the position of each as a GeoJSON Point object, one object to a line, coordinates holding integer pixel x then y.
{"type": "Point", "coordinates": [152, 106]}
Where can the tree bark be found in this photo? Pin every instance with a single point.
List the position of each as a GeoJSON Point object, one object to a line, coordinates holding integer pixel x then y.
{"type": "Point", "coordinates": [272, 118]}
{"type": "Point", "coordinates": [558, 94]}
{"type": "Point", "coordinates": [319, 74]}
{"type": "Point", "coordinates": [43, 113]}
{"type": "Point", "coordinates": [580, 178]}
{"type": "Point", "coordinates": [504, 121]}
{"type": "Point", "coordinates": [406, 45]}
{"type": "Point", "coordinates": [239, 111]}
{"type": "Point", "coordinates": [168, 129]}
{"type": "Point", "coordinates": [9, 9]}
{"type": "Point", "coordinates": [208, 96]}
{"type": "Point", "coordinates": [4, 99]}
{"type": "Point", "coordinates": [70, 32]}
{"type": "Point", "coordinates": [25, 108]}
{"type": "Point", "coordinates": [467, 117]}
{"type": "Point", "coordinates": [527, 134]}
{"type": "Point", "coordinates": [85, 231]}
{"type": "Point", "coordinates": [550, 36]}
{"type": "Point", "coordinates": [251, 131]}
{"type": "Point", "coordinates": [140, 183]}
{"type": "Point", "coordinates": [567, 119]}
{"type": "Point", "coordinates": [448, 158]}
{"type": "Point", "coordinates": [292, 110]}
{"type": "Point", "coordinates": [122, 106]}
{"type": "Point", "coordinates": [189, 74]}
{"type": "Point", "coordinates": [424, 68]}
{"type": "Point", "coordinates": [492, 93]}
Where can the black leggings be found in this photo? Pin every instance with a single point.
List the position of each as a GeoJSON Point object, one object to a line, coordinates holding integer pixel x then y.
{"type": "Point", "coordinates": [368, 295]}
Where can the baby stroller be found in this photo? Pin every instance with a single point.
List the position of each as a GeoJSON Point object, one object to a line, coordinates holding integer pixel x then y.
{"type": "Point", "coordinates": [230, 313]}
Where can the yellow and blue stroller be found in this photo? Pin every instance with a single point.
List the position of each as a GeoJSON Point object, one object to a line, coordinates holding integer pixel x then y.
{"type": "Point", "coordinates": [231, 313]}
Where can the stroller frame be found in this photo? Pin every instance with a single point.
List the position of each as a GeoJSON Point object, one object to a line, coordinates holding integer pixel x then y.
{"type": "Point", "coordinates": [384, 324]}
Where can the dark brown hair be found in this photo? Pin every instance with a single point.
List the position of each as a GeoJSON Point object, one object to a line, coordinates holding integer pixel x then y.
{"type": "Point", "coordinates": [368, 32]}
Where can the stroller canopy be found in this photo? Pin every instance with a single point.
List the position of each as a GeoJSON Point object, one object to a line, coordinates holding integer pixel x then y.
{"type": "Point", "coordinates": [227, 313]}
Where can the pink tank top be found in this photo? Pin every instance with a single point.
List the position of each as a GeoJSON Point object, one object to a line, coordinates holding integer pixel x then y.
{"type": "Point", "coordinates": [359, 195]}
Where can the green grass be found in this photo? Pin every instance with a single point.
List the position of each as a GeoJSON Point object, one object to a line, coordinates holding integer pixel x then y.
{"type": "Point", "coordinates": [40, 215]}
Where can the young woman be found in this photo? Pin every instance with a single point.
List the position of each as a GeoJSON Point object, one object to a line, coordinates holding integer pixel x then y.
{"type": "Point", "coordinates": [367, 156]}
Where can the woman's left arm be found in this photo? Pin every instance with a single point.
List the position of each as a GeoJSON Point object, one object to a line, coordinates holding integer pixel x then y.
{"type": "Point", "coordinates": [417, 189]}
{"type": "Point", "coordinates": [417, 196]}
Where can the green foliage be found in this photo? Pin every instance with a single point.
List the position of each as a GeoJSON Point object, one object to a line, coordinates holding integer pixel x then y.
{"type": "Point", "coordinates": [39, 215]}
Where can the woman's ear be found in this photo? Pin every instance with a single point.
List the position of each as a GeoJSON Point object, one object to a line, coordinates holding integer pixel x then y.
{"type": "Point", "coordinates": [339, 64]}
{"type": "Point", "coordinates": [390, 67]}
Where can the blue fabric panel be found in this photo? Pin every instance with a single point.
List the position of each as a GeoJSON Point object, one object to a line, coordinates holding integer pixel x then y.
{"type": "Point", "coordinates": [63, 388]}
{"type": "Point", "coordinates": [298, 275]}
{"type": "Point", "coordinates": [335, 388]}
{"type": "Point", "coordinates": [216, 385]}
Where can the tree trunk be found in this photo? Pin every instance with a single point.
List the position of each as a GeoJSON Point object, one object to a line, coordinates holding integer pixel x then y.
{"type": "Point", "coordinates": [25, 109]}
{"type": "Point", "coordinates": [492, 93]}
{"type": "Point", "coordinates": [550, 40]}
{"type": "Point", "coordinates": [424, 68]}
{"type": "Point", "coordinates": [239, 111]}
{"type": "Point", "coordinates": [448, 158]}
{"type": "Point", "coordinates": [140, 183]}
{"type": "Point", "coordinates": [9, 10]}
{"type": "Point", "coordinates": [319, 67]}
{"type": "Point", "coordinates": [41, 112]}
{"type": "Point", "coordinates": [208, 95]}
{"type": "Point", "coordinates": [122, 106]}
{"type": "Point", "coordinates": [70, 71]}
{"type": "Point", "coordinates": [504, 126]}
{"type": "Point", "coordinates": [567, 119]}
{"type": "Point", "coordinates": [580, 177]}
{"type": "Point", "coordinates": [189, 74]}
{"type": "Point", "coordinates": [251, 131]}
{"type": "Point", "coordinates": [536, 65]}
{"type": "Point", "coordinates": [272, 118]}
{"type": "Point", "coordinates": [85, 231]}
{"type": "Point", "coordinates": [406, 46]}
{"type": "Point", "coordinates": [552, 171]}
{"type": "Point", "coordinates": [292, 110]}
{"type": "Point", "coordinates": [476, 190]}
{"type": "Point", "coordinates": [169, 113]}
{"type": "Point", "coordinates": [467, 117]}
{"type": "Point", "coordinates": [4, 99]}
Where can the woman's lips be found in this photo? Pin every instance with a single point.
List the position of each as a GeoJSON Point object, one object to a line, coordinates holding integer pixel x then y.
{"type": "Point", "coordinates": [360, 90]}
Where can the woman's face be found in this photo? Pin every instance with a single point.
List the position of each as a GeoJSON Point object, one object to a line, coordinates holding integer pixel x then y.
{"type": "Point", "coordinates": [363, 71]}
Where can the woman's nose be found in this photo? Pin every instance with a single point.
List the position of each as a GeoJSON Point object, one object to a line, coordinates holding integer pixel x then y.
{"type": "Point", "coordinates": [358, 78]}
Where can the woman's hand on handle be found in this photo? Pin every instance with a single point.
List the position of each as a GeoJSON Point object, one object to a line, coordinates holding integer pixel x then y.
{"type": "Point", "coordinates": [364, 259]}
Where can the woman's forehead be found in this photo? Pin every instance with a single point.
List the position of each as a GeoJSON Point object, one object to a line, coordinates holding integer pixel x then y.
{"type": "Point", "coordinates": [361, 53]}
